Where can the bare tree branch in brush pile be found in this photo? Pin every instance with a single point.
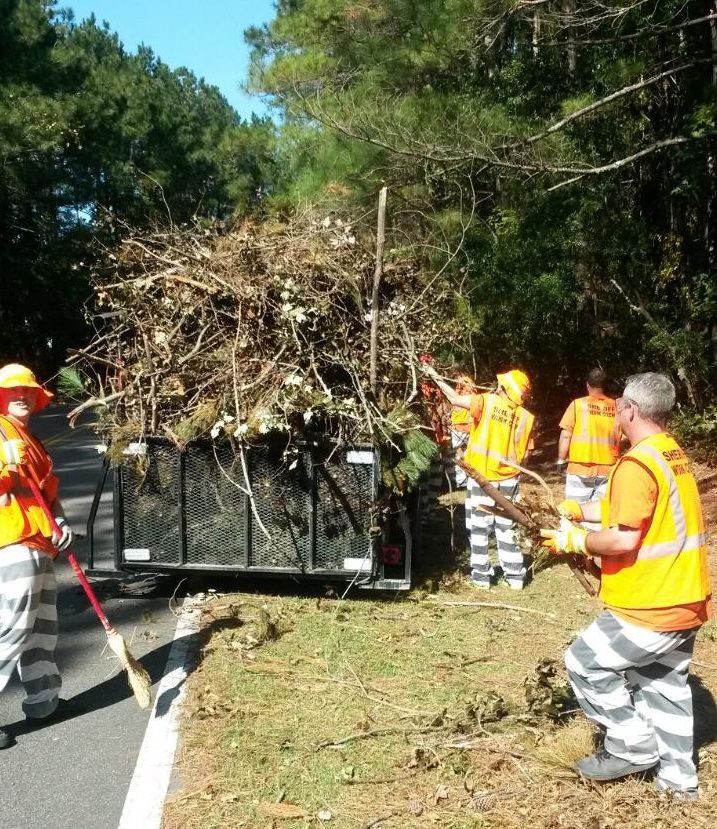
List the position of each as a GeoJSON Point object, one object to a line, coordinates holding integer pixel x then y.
{"type": "Point", "coordinates": [261, 330]}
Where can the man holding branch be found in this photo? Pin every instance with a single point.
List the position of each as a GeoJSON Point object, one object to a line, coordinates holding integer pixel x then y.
{"type": "Point", "coordinates": [500, 433]}
{"type": "Point", "coordinates": [629, 669]}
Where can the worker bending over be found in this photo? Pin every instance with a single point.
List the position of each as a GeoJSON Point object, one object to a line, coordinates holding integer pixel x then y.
{"type": "Point", "coordinates": [629, 668]}
{"type": "Point", "coordinates": [500, 435]}
{"type": "Point", "coordinates": [28, 611]}
{"type": "Point", "coordinates": [589, 441]}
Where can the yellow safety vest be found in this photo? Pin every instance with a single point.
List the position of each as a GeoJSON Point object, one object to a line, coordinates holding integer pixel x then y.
{"type": "Point", "coordinates": [670, 568]}
{"type": "Point", "coordinates": [503, 431]}
{"type": "Point", "coordinates": [21, 518]}
{"type": "Point", "coordinates": [595, 438]}
{"type": "Point", "coordinates": [460, 420]}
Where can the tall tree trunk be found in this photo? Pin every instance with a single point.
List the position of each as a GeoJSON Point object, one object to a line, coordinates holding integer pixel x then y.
{"type": "Point", "coordinates": [571, 51]}
{"type": "Point", "coordinates": [536, 33]}
{"type": "Point", "coordinates": [711, 208]}
{"type": "Point", "coordinates": [713, 38]}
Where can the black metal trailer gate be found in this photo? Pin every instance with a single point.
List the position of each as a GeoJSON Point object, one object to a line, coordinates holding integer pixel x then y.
{"type": "Point", "coordinates": [309, 516]}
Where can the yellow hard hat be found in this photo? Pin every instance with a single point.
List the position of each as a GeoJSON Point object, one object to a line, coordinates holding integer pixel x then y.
{"type": "Point", "coordinates": [516, 385]}
{"type": "Point", "coordinates": [13, 376]}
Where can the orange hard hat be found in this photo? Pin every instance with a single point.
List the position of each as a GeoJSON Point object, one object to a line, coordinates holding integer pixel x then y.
{"type": "Point", "coordinates": [13, 376]}
{"type": "Point", "coordinates": [516, 385]}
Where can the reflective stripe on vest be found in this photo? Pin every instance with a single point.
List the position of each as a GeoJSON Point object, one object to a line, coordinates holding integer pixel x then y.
{"type": "Point", "coordinates": [502, 434]}
{"type": "Point", "coordinates": [670, 568]}
{"type": "Point", "coordinates": [595, 437]}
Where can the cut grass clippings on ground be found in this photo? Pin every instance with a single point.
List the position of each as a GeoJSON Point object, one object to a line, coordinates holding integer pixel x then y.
{"type": "Point", "coordinates": [410, 712]}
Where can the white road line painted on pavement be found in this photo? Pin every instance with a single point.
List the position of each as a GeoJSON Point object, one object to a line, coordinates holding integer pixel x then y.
{"type": "Point", "coordinates": [150, 781]}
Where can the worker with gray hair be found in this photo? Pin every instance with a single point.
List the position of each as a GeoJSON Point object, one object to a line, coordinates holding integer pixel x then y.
{"type": "Point", "coordinates": [629, 668]}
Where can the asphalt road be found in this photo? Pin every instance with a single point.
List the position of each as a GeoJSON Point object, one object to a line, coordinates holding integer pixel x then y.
{"type": "Point", "coordinates": [75, 774]}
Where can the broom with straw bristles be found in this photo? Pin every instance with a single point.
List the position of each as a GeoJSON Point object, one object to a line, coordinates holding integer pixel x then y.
{"type": "Point", "coordinates": [137, 676]}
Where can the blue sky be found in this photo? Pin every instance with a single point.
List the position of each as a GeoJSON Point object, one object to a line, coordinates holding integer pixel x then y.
{"type": "Point", "coordinates": [206, 36]}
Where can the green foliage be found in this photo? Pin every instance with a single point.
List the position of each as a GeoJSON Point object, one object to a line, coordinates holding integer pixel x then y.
{"type": "Point", "coordinates": [418, 450]}
{"type": "Point", "coordinates": [88, 130]}
{"type": "Point", "coordinates": [70, 384]}
{"type": "Point", "coordinates": [473, 113]}
{"type": "Point", "coordinates": [697, 431]}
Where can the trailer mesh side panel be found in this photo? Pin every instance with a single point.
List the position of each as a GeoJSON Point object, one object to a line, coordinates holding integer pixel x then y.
{"type": "Point", "coordinates": [343, 512]}
{"type": "Point", "coordinates": [151, 504]}
{"type": "Point", "coordinates": [317, 513]}
{"type": "Point", "coordinates": [214, 507]}
{"type": "Point", "coordinates": [283, 501]}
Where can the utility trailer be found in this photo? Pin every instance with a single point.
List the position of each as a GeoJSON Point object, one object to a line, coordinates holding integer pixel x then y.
{"type": "Point", "coordinates": [309, 517]}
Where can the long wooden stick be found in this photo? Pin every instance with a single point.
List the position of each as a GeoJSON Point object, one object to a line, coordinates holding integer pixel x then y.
{"type": "Point", "coordinates": [377, 274]}
{"type": "Point", "coordinates": [520, 517]}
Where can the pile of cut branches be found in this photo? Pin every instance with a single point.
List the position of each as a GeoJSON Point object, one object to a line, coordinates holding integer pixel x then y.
{"type": "Point", "coordinates": [264, 329]}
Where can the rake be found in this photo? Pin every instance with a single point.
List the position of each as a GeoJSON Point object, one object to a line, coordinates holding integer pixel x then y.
{"type": "Point", "coordinates": [137, 676]}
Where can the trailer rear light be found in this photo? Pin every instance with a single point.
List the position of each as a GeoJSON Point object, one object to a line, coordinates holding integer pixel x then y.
{"type": "Point", "coordinates": [392, 554]}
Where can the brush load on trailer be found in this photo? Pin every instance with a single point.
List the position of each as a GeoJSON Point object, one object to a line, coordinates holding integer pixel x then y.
{"type": "Point", "coordinates": [230, 373]}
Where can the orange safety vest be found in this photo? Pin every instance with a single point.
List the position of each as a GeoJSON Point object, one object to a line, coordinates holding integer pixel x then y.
{"type": "Point", "coordinates": [21, 517]}
{"type": "Point", "coordinates": [670, 568]}
{"type": "Point", "coordinates": [595, 438]}
{"type": "Point", "coordinates": [460, 420]}
{"type": "Point", "coordinates": [502, 431]}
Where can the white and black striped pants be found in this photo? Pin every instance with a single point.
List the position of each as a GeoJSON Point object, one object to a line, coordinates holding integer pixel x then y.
{"type": "Point", "coordinates": [584, 488]}
{"type": "Point", "coordinates": [479, 525]}
{"type": "Point", "coordinates": [442, 473]}
{"type": "Point", "coordinates": [633, 682]}
{"type": "Point", "coordinates": [28, 627]}
{"type": "Point", "coordinates": [431, 487]}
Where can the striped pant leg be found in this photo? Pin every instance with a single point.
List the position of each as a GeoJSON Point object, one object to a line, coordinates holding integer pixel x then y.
{"type": "Point", "coordinates": [432, 488]}
{"type": "Point", "coordinates": [600, 489]}
{"type": "Point", "coordinates": [509, 553]}
{"type": "Point", "coordinates": [450, 470]}
{"type": "Point", "coordinates": [597, 664]}
{"type": "Point", "coordinates": [459, 440]}
{"type": "Point", "coordinates": [582, 489]}
{"type": "Point", "coordinates": [662, 695]}
{"type": "Point", "coordinates": [578, 488]}
{"type": "Point", "coordinates": [28, 626]}
{"type": "Point", "coordinates": [478, 525]}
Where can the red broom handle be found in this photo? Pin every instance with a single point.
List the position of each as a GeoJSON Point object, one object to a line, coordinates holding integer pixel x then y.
{"type": "Point", "coordinates": [74, 563]}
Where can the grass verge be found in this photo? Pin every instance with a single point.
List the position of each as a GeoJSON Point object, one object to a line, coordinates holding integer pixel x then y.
{"type": "Point", "coordinates": [426, 710]}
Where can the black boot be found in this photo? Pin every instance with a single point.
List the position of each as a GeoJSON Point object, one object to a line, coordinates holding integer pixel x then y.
{"type": "Point", "coordinates": [5, 739]}
{"type": "Point", "coordinates": [66, 710]}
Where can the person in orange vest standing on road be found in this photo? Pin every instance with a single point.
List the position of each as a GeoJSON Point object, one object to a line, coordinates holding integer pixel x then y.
{"type": "Point", "coordinates": [589, 442]}
{"type": "Point", "coordinates": [500, 433]}
{"type": "Point", "coordinates": [629, 669]}
{"type": "Point", "coordinates": [28, 617]}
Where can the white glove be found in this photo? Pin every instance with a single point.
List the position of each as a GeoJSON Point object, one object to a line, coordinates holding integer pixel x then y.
{"type": "Point", "coordinates": [65, 539]}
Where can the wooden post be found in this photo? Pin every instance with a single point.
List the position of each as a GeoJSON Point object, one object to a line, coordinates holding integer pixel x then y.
{"type": "Point", "coordinates": [377, 274]}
